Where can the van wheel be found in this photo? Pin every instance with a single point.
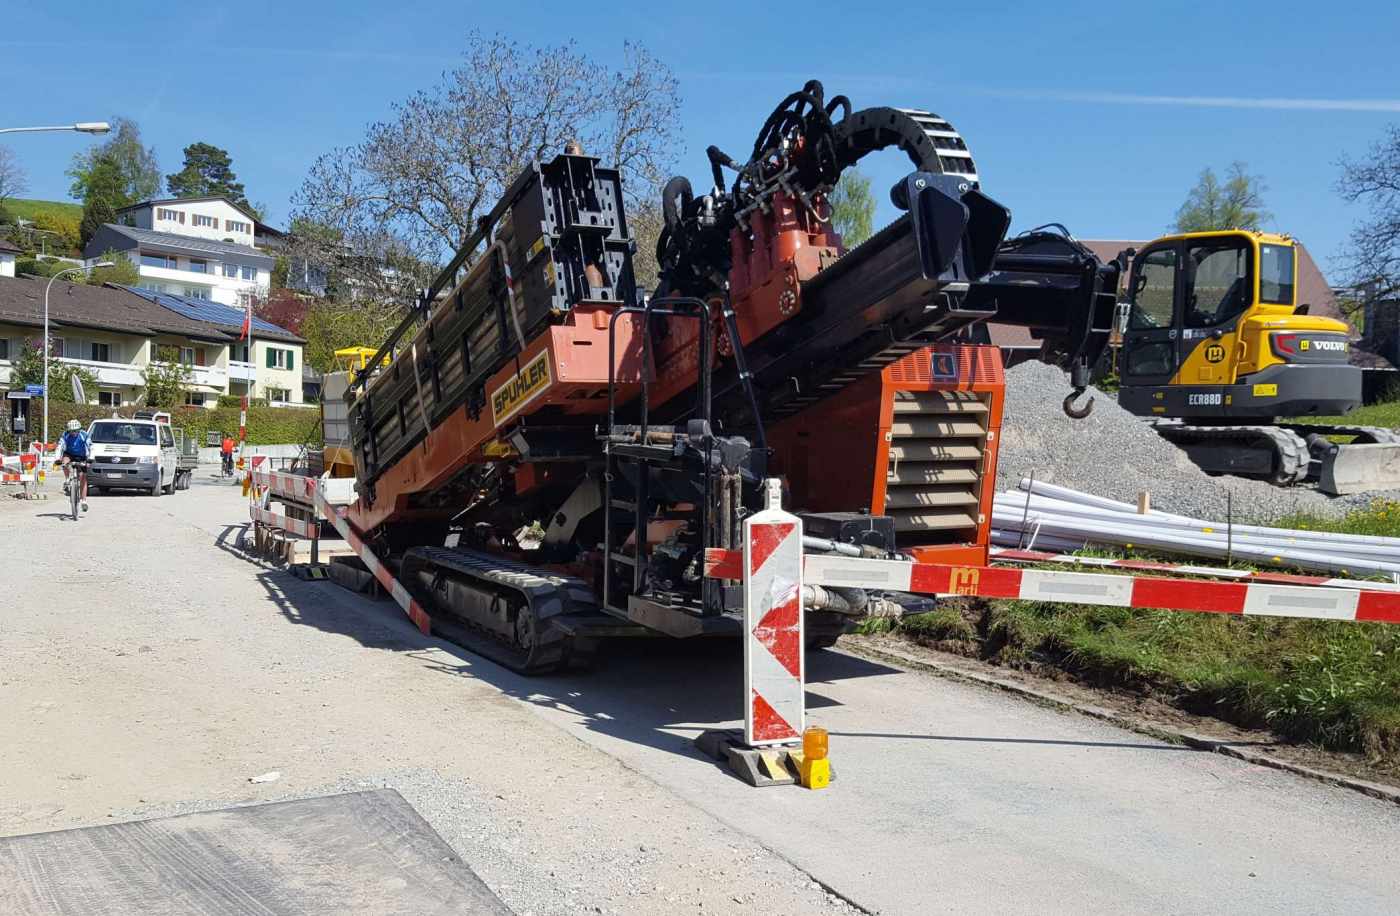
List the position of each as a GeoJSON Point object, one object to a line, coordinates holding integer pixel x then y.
{"type": "Point", "coordinates": [157, 489]}
{"type": "Point", "coordinates": [170, 487]}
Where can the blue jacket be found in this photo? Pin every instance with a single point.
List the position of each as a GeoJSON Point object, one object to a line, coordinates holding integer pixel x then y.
{"type": "Point", "coordinates": [76, 445]}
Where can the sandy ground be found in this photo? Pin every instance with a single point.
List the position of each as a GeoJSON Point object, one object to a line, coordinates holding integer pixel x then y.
{"type": "Point", "coordinates": [145, 669]}
{"type": "Point", "coordinates": [148, 669]}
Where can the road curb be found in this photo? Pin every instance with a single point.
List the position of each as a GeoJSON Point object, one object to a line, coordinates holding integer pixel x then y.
{"type": "Point", "coordinates": [1190, 739]}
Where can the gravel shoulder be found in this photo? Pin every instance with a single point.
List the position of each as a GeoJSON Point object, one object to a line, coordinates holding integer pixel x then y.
{"type": "Point", "coordinates": [147, 672]}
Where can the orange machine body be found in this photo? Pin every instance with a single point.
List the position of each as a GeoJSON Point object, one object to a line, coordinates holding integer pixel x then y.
{"type": "Point", "coordinates": [918, 442]}
{"type": "Point", "coordinates": [564, 369]}
{"type": "Point", "coordinates": [781, 249]}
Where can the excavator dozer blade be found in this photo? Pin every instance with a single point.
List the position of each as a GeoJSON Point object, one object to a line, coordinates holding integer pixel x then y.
{"type": "Point", "coordinates": [1359, 468]}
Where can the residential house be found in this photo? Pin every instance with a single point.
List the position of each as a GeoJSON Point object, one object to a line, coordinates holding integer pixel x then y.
{"type": "Point", "coordinates": [117, 333]}
{"type": "Point", "coordinates": [269, 366]}
{"type": "Point", "coordinates": [196, 247]}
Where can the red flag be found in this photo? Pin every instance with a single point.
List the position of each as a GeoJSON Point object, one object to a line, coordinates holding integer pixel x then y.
{"type": "Point", "coordinates": [247, 321]}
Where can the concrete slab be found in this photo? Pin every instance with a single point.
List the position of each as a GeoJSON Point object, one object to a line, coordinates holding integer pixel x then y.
{"type": "Point", "coordinates": [361, 852]}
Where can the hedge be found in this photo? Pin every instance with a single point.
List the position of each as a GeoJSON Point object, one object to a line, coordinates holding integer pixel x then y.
{"type": "Point", "coordinates": [266, 425]}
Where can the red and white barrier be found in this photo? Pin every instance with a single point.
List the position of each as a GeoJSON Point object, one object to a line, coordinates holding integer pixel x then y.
{"type": "Point", "coordinates": [297, 526]}
{"type": "Point", "coordinates": [774, 711]}
{"type": "Point", "coordinates": [1252, 598]}
{"type": "Point", "coordinates": [1010, 555]}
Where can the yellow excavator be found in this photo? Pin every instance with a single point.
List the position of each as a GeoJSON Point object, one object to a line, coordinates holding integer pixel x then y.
{"type": "Point", "coordinates": [1214, 339]}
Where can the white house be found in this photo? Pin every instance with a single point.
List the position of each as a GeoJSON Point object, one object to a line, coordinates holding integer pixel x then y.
{"type": "Point", "coordinates": [8, 253]}
{"type": "Point", "coordinates": [199, 247]}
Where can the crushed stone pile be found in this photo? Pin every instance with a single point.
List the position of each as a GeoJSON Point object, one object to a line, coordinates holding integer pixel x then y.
{"type": "Point", "coordinates": [1115, 454]}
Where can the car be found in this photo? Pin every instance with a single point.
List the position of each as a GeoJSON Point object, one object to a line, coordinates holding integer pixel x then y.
{"type": "Point", "coordinates": [139, 453]}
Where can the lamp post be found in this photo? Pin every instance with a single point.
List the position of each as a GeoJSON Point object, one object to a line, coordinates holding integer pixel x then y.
{"type": "Point", "coordinates": [48, 287]}
{"type": "Point", "coordinates": [82, 127]}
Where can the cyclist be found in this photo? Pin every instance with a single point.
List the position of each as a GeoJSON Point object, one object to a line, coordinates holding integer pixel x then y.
{"type": "Point", "coordinates": [226, 452]}
{"type": "Point", "coordinates": [75, 445]}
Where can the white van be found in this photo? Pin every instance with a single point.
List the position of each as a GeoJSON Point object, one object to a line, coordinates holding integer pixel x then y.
{"type": "Point", "coordinates": [135, 454]}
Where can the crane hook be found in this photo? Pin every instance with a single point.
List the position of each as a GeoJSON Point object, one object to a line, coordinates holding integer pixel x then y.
{"type": "Point", "coordinates": [1077, 413]}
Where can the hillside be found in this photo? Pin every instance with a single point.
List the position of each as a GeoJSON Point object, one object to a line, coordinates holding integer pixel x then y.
{"type": "Point", "coordinates": [32, 209]}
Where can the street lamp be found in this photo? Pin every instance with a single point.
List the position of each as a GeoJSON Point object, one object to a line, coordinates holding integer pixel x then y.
{"type": "Point", "coordinates": [46, 335]}
{"type": "Point", "coordinates": [82, 127]}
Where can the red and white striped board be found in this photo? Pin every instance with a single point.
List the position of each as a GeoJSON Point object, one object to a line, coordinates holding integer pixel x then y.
{"type": "Point", "coordinates": [295, 526]}
{"type": "Point", "coordinates": [1011, 555]}
{"type": "Point", "coordinates": [296, 487]}
{"type": "Point", "coordinates": [386, 579]}
{"type": "Point", "coordinates": [1253, 598]}
{"type": "Point", "coordinates": [774, 710]}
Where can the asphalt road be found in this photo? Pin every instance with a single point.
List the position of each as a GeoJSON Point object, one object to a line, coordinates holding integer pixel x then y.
{"type": "Point", "coordinates": [948, 798]}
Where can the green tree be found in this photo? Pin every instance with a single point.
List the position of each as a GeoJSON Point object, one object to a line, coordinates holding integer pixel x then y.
{"type": "Point", "coordinates": [123, 270]}
{"type": "Point", "coordinates": [28, 369]}
{"type": "Point", "coordinates": [1236, 204]}
{"type": "Point", "coordinates": [166, 380]}
{"type": "Point", "coordinates": [104, 196]}
{"type": "Point", "coordinates": [208, 172]}
{"type": "Point", "coordinates": [328, 326]}
{"type": "Point", "coordinates": [135, 163]}
{"type": "Point", "coordinates": [852, 208]}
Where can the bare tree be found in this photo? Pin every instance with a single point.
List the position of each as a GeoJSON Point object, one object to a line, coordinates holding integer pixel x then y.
{"type": "Point", "coordinates": [413, 190]}
{"type": "Point", "coordinates": [1372, 257]}
{"type": "Point", "coordinates": [13, 180]}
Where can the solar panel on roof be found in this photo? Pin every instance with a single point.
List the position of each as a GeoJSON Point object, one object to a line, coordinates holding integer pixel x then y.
{"type": "Point", "coordinates": [204, 310]}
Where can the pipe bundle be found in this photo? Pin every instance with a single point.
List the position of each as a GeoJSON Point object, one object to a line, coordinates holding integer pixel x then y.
{"type": "Point", "coordinates": [1044, 516]}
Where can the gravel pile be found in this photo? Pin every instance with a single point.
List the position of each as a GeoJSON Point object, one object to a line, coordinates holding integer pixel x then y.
{"type": "Point", "coordinates": [1115, 454]}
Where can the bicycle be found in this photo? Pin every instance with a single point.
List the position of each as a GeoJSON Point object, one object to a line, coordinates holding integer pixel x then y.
{"type": "Point", "coordinates": [77, 484]}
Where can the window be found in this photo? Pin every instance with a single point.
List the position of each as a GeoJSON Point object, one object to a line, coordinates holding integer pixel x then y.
{"type": "Point", "coordinates": [194, 399]}
{"type": "Point", "coordinates": [230, 270]}
{"type": "Point", "coordinates": [233, 225]}
{"type": "Point", "coordinates": [280, 359]}
{"type": "Point", "coordinates": [153, 286]}
{"type": "Point", "coordinates": [1152, 293]}
{"type": "Point", "coordinates": [167, 438]}
{"type": "Point", "coordinates": [113, 432]}
{"type": "Point", "coordinates": [199, 265]}
{"type": "Point", "coordinates": [1219, 286]}
{"type": "Point", "coordinates": [250, 273]}
{"type": "Point", "coordinates": [241, 354]}
{"type": "Point", "coordinates": [4, 348]}
{"type": "Point", "coordinates": [168, 261]}
{"type": "Point", "coordinates": [100, 352]}
{"type": "Point", "coordinates": [173, 216]}
{"type": "Point", "coordinates": [55, 347]}
{"type": "Point", "coordinates": [109, 398]}
{"type": "Point", "coordinates": [197, 292]}
{"type": "Point", "coordinates": [210, 221]}
{"type": "Point", "coordinates": [1276, 274]}
{"type": "Point", "coordinates": [187, 355]}
{"type": "Point", "coordinates": [278, 394]}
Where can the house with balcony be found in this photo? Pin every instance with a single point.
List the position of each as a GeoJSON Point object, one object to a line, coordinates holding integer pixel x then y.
{"type": "Point", "coordinates": [195, 247]}
{"type": "Point", "coordinates": [117, 333]}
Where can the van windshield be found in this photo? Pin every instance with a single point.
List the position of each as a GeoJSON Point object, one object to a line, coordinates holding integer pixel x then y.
{"type": "Point", "coordinates": [113, 433]}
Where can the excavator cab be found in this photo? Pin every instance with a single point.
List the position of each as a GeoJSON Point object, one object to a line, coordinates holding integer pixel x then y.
{"type": "Point", "coordinates": [1213, 333]}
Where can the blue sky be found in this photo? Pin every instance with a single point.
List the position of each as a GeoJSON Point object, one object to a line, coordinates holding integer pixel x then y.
{"type": "Point", "coordinates": [1097, 116]}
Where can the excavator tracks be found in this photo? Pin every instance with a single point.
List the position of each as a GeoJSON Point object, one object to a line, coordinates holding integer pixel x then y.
{"type": "Point", "coordinates": [1273, 453]}
{"type": "Point", "coordinates": [506, 611]}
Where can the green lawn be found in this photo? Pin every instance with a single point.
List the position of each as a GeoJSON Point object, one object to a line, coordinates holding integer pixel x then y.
{"type": "Point", "coordinates": [32, 209]}
{"type": "Point", "coordinates": [1336, 685]}
{"type": "Point", "coordinates": [1386, 414]}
